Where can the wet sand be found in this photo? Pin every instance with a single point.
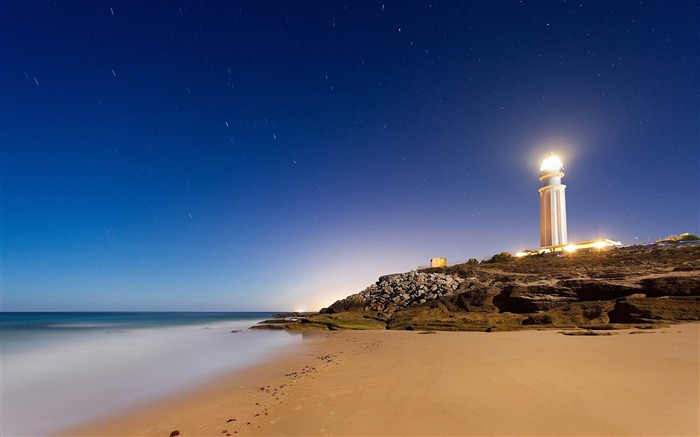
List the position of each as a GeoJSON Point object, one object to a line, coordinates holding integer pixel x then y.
{"type": "Point", "coordinates": [447, 383]}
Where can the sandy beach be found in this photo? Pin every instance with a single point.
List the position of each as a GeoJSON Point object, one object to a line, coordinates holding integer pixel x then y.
{"type": "Point", "coordinates": [445, 383]}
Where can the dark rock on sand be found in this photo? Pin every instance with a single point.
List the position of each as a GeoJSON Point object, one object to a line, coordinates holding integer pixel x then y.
{"type": "Point", "coordinates": [671, 285]}
{"type": "Point", "coordinates": [660, 309]}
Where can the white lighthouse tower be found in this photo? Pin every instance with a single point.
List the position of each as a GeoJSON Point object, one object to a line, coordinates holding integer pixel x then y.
{"type": "Point", "coordinates": [552, 204]}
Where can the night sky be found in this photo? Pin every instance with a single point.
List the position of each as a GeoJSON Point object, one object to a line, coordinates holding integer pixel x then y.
{"type": "Point", "coordinates": [278, 155]}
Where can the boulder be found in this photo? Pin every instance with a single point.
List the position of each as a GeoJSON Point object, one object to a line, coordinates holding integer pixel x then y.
{"type": "Point", "coordinates": [531, 298]}
{"type": "Point", "coordinates": [670, 309]}
{"type": "Point", "coordinates": [676, 285]}
{"type": "Point", "coordinates": [353, 302]}
{"type": "Point", "coordinates": [476, 298]}
{"type": "Point", "coordinates": [599, 289]}
{"type": "Point", "coordinates": [573, 314]}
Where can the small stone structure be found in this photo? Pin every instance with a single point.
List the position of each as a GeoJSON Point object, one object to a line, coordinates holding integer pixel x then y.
{"type": "Point", "coordinates": [438, 262]}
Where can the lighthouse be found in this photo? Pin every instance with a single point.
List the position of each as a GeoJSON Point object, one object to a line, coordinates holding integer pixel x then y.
{"type": "Point", "coordinates": [552, 204]}
{"type": "Point", "coordinates": [553, 235]}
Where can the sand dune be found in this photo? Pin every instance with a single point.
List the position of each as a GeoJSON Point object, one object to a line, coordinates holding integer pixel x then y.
{"type": "Point", "coordinates": [447, 383]}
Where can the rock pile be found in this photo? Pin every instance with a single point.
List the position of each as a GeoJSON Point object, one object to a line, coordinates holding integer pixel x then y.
{"type": "Point", "coordinates": [393, 292]}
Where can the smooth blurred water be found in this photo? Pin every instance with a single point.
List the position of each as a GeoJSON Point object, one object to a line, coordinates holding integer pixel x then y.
{"type": "Point", "coordinates": [61, 369]}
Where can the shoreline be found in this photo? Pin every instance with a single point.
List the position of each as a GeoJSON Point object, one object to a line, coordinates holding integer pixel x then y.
{"type": "Point", "coordinates": [446, 383]}
{"type": "Point", "coordinates": [63, 369]}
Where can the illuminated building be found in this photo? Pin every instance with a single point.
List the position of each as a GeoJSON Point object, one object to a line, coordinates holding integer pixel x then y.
{"type": "Point", "coordinates": [438, 262]}
{"type": "Point", "coordinates": [553, 232]}
{"type": "Point", "coordinates": [552, 204]}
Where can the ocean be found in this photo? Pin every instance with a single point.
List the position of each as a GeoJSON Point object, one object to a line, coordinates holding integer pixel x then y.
{"type": "Point", "coordinates": [62, 369]}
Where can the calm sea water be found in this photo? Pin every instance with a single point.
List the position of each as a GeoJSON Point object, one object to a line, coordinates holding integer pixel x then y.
{"type": "Point", "coordinates": [61, 369]}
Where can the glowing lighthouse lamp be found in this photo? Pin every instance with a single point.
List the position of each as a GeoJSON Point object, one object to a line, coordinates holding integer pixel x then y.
{"type": "Point", "coordinates": [552, 204]}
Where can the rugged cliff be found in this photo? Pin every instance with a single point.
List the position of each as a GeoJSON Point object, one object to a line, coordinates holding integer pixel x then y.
{"type": "Point", "coordinates": [636, 285]}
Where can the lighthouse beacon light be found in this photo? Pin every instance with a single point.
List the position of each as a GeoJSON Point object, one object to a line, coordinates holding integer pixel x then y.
{"type": "Point", "coordinates": [551, 164]}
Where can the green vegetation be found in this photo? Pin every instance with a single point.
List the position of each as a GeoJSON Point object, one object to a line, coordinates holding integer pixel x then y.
{"type": "Point", "coordinates": [501, 258]}
{"type": "Point", "coordinates": [680, 237]}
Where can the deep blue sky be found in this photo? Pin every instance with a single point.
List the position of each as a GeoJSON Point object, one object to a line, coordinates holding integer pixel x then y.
{"type": "Point", "coordinates": [216, 155]}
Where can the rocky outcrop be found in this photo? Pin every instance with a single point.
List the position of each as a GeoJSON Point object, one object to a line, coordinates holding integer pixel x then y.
{"type": "Point", "coordinates": [530, 298]}
{"type": "Point", "coordinates": [436, 318]}
{"type": "Point", "coordinates": [635, 285]}
{"type": "Point", "coordinates": [581, 314]}
{"type": "Point", "coordinates": [660, 309]}
{"type": "Point", "coordinates": [600, 289]}
{"type": "Point", "coordinates": [679, 284]}
{"type": "Point", "coordinates": [354, 302]}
